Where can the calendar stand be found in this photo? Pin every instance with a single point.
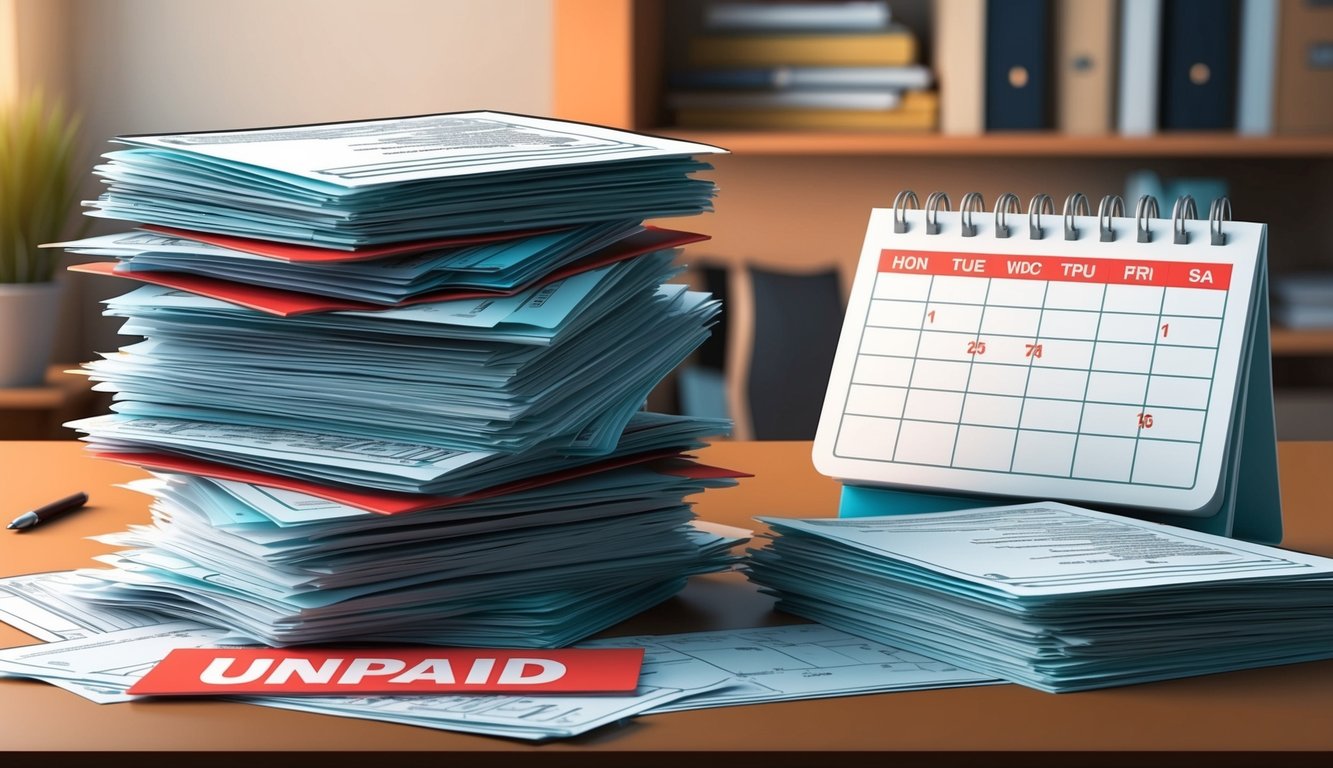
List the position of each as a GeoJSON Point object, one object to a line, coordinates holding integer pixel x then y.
{"type": "Point", "coordinates": [1246, 503]}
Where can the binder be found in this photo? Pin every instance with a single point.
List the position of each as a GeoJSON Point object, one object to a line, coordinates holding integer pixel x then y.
{"type": "Point", "coordinates": [1257, 68]}
{"type": "Point", "coordinates": [1085, 66]}
{"type": "Point", "coordinates": [1305, 77]}
{"type": "Point", "coordinates": [1140, 51]}
{"type": "Point", "coordinates": [1199, 65]}
{"type": "Point", "coordinates": [960, 64]}
{"type": "Point", "coordinates": [1018, 79]}
{"type": "Point", "coordinates": [1115, 362]}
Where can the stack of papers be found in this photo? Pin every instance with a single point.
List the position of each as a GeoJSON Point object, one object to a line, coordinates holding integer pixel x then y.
{"type": "Point", "coordinates": [500, 264]}
{"type": "Point", "coordinates": [373, 423]}
{"type": "Point", "coordinates": [325, 465]}
{"type": "Point", "coordinates": [346, 185]}
{"type": "Point", "coordinates": [538, 568]}
{"type": "Point", "coordinates": [98, 654]}
{"type": "Point", "coordinates": [506, 374]}
{"type": "Point", "coordinates": [1052, 596]}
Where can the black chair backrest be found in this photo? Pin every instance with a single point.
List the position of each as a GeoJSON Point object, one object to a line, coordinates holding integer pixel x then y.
{"type": "Point", "coordinates": [797, 319]}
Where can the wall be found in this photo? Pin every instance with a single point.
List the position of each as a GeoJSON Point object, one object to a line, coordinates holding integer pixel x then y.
{"type": "Point", "coordinates": [154, 66]}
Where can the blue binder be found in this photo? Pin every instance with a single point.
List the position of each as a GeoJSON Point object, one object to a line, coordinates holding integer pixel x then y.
{"type": "Point", "coordinates": [1199, 65]}
{"type": "Point", "coordinates": [1018, 66]}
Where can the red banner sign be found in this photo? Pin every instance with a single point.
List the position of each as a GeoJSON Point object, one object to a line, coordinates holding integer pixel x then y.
{"type": "Point", "coordinates": [1072, 269]}
{"type": "Point", "coordinates": [288, 671]}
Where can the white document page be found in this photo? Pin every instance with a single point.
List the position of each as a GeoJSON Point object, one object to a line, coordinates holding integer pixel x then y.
{"type": "Point", "coordinates": [41, 605]}
{"type": "Point", "coordinates": [102, 667]}
{"type": "Point", "coordinates": [372, 152]}
{"type": "Point", "coordinates": [801, 661]}
{"type": "Point", "coordinates": [1034, 550]}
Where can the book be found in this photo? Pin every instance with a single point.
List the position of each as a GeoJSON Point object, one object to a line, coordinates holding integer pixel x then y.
{"type": "Point", "coordinates": [919, 112]}
{"type": "Point", "coordinates": [960, 64]}
{"type": "Point", "coordinates": [1198, 65]}
{"type": "Point", "coordinates": [845, 16]}
{"type": "Point", "coordinates": [894, 47]}
{"type": "Point", "coordinates": [1017, 66]}
{"type": "Point", "coordinates": [788, 99]}
{"type": "Point", "coordinates": [1304, 300]}
{"type": "Point", "coordinates": [912, 77]}
{"type": "Point", "coordinates": [1305, 68]}
{"type": "Point", "coordinates": [1085, 66]}
{"type": "Point", "coordinates": [1140, 49]}
{"type": "Point", "coordinates": [1258, 67]}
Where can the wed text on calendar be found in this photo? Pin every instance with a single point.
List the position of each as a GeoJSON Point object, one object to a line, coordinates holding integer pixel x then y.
{"type": "Point", "coordinates": [1074, 367]}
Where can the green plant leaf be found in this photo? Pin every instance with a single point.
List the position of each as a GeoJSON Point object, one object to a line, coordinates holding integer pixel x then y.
{"type": "Point", "coordinates": [38, 144]}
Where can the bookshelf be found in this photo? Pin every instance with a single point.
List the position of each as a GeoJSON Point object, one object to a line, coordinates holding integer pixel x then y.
{"type": "Point", "coordinates": [1301, 343]}
{"type": "Point", "coordinates": [798, 200]}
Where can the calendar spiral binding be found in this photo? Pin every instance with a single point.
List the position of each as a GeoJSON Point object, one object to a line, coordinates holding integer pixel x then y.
{"type": "Point", "coordinates": [1110, 208]}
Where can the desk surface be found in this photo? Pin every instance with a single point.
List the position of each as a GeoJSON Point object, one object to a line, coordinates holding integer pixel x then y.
{"type": "Point", "coordinates": [1285, 709]}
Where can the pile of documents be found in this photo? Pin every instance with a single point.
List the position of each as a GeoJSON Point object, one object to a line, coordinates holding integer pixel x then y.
{"type": "Point", "coordinates": [98, 653]}
{"type": "Point", "coordinates": [1052, 596]}
{"type": "Point", "coordinates": [536, 568]}
{"type": "Point", "coordinates": [392, 377]}
{"type": "Point", "coordinates": [346, 185]}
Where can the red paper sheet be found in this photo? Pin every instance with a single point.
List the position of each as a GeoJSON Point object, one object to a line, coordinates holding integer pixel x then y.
{"type": "Point", "coordinates": [313, 254]}
{"type": "Point", "coordinates": [275, 301]}
{"type": "Point", "coordinates": [395, 503]}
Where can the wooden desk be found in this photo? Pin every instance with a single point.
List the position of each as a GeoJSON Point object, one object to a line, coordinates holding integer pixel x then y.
{"type": "Point", "coordinates": [1284, 712]}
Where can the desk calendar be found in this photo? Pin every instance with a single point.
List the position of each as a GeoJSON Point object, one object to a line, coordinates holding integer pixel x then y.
{"type": "Point", "coordinates": [1110, 361]}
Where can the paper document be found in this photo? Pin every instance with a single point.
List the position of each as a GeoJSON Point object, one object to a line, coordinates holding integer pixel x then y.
{"type": "Point", "coordinates": [720, 668]}
{"type": "Point", "coordinates": [1053, 549]}
{"type": "Point", "coordinates": [43, 605]}
{"type": "Point", "coordinates": [99, 667]}
{"type": "Point", "coordinates": [395, 150]}
{"type": "Point", "coordinates": [349, 186]}
{"type": "Point", "coordinates": [802, 661]}
{"type": "Point", "coordinates": [1053, 596]}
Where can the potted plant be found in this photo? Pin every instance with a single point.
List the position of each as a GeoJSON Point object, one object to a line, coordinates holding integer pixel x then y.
{"type": "Point", "coordinates": [37, 194]}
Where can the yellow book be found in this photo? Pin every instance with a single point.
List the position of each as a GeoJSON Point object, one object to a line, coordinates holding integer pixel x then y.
{"type": "Point", "coordinates": [919, 112]}
{"type": "Point", "coordinates": [894, 48]}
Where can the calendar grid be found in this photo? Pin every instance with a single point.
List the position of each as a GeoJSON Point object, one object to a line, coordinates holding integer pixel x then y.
{"type": "Point", "coordinates": [965, 364]}
{"type": "Point", "coordinates": [1053, 367]}
{"type": "Point", "coordinates": [1020, 397]}
{"type": "Point", "coordinates": [860, 352]}
{"type": "Point", "coordinates": [1064, 338]}
{"type": "Point", "coordinates": [911, 371]}
{"type": "Point", "coordinates": [971, 365]}
{"type": "Point", "coordinates": [1027, 380]}
{"type": "Point", "coordinates": [1096, 335]}
{"type": "Point", "coordinates": [937, 302]}
{"type": "Point", "coordinates": [1180, 441]}
{"type": "Point", "coordinates": [983, 367]}
{"type": "Point", "coordinates": [1147, 389]}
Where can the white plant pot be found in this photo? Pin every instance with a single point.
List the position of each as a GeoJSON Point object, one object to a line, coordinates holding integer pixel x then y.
{"type": "Point", "coordinates": [28, 315]}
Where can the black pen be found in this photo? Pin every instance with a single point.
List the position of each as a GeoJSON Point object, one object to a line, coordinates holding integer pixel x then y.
{"type": "Point", "coordinates": [48, 511]}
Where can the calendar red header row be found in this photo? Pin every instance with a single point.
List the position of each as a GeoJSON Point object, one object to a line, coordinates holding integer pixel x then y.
{"type": "Point", "coordinates": [1068, 269]}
